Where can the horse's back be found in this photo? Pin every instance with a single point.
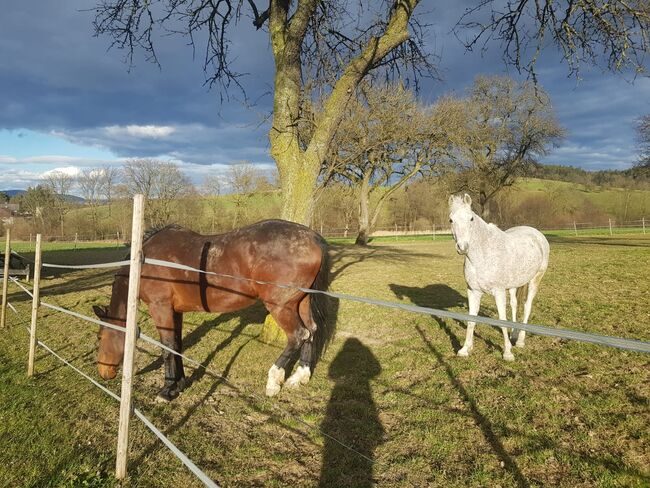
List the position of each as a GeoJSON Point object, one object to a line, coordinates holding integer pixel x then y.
{"type": "Point", "coordinates": [270, 250]}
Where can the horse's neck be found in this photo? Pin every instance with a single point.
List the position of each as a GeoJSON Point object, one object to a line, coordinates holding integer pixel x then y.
{"type": "Point", "coordinates": [485, 239]}
{"type": "Point", "coordinates": [119, 297]}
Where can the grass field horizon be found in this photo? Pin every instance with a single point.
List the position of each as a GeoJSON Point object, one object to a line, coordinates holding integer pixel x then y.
{"type": "Point", "coordinates": [563, 414]}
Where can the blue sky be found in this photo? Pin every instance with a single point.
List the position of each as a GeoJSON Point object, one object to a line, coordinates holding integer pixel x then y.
{"type": "Point", "coordinates": [68, 102]}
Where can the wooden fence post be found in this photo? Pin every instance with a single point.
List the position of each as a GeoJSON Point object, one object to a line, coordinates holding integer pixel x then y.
{"type": "Point", "coordinates": [35, 304]}
{"type": "Point", "coordinates": [5, 278]}
{"type": "Point", "coordinates": [643, 220]}
{"type": "Point", "coordinates": [130, 336]}
{"type": "Point", "coordinates": [575, 229]}
{"type": "Point", "coordinates": [610, 227]}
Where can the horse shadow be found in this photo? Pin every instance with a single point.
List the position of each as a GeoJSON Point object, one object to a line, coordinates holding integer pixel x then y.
{"type": "Point", "coordinates": [351, 418]}
{"type": "Point", "coordinates": [443, 297]}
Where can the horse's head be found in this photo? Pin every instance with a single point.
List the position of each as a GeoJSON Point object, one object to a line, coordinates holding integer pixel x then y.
{"type": "Point", "coordinates": [461, 219]}
{"type": "Point", "coordinates": [111, 344]}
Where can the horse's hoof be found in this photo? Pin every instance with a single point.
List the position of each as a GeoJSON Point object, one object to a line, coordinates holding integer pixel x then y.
{"type": "Point", "coordinates": [166, 396]}
{"type": "Point", "coordinates": [272, 390]}
{"type": "Point", "coordinates": [463, 353]}
{"type": "Point", "coordinates": [300, 377]}
{"type": "Point", "coordinates": [508, 356]}
{"type": "Point", "coordinates": [520, 344]}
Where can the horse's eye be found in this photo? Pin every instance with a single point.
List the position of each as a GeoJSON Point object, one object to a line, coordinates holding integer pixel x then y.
{"type": "Point", "coordinates": [472, 219]}
{"type": "Point", "coordinates": [451, 221]}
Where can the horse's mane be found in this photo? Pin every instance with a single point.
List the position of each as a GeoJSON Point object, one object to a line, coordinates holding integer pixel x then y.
{"type": "Point", "coordinates": [152, 231]}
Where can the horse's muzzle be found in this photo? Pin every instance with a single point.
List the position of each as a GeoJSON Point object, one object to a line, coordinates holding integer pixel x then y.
{"type": "Point", "coordinates": [107, 371]}
{"type": "Point", "coordinates": [461, 248]}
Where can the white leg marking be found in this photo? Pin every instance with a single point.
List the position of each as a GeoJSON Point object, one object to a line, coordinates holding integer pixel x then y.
{"type": "Point", "coordinates": [474, 299]}
{"type": "Point", "coordinates": [500, 298]}
{"type": "Point", "coordinates": [299, 377]}
{"type": "Point", "coordinates": [275, 380]}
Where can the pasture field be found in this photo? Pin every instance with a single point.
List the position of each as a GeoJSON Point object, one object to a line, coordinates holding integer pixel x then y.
{"type": "Point", "coordinates": [390, 386]}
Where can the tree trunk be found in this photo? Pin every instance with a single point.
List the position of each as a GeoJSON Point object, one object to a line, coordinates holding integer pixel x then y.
{"type": "Point", "coordinates": [364, 213]}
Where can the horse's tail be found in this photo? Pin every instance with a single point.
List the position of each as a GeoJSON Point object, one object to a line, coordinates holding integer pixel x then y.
{"type": "Point", "coordinates": [323, 308]}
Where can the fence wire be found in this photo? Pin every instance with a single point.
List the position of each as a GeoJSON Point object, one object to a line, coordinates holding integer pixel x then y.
{"type": "Point", "coordinates": [205, 479]}
{"type": "Point", "coordinates": [603, 340]}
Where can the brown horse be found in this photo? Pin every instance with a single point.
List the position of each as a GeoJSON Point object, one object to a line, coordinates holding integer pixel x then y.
{"type": "Point", "coordinates": [271, 251]}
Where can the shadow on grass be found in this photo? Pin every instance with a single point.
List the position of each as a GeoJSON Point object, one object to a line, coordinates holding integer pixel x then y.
{"type": "Point", "coordinates": [481, 421]}
{"type": "Point", "coordinates": [343, 257]}
{"type": "Point", "coordinates": [252, 315]}
{"type": "Point", "coordinates": [442, 297]}
{"type": "Point", "coordinates": [351, 418]}
{"type": "Point", "coordinates": [628, 241]}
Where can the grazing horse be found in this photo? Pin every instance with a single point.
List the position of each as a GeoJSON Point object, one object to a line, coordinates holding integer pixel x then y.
{"type": "Point", "coordinates": [272, 251]}
{"type": "Point", "coordinates": [496, 261]}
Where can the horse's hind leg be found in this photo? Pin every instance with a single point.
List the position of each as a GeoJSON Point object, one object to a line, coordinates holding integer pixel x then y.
{"type": "Point", "coordinates": [303, 373]}
{"type": "Point", "coordinates": [170, 328]}
{"type": "Point", "coordinates": [500, 297]}
{"type": "Point", "coordinates": [513, 308]}
{"type": "Point", "coordinates": [289, 320]}
{"type": "Point", "coordinates": [474, 299]}
{"type": "Point", "coordinates": [533, 287]}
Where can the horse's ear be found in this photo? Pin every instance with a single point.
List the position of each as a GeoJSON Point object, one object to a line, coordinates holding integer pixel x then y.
{"type": "Point", "coordinates": [451, 199]}
{"type": "Point", "coordinates": [100, 311]}
{"type": "Point", "coordinates": [467, 199]}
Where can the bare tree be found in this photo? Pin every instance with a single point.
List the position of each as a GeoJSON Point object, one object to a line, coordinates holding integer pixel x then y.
{"type": "Point", "coordinates": [382, 143]}
{"type": "Point", "coordinates": [643, 134]}
{"type": "Point", "coordinates": [613, 34]}
{"type": "Point", "coordinates": [318, 49]}
{"type": "Point", "coordinates": [321, 48]}
{"type": "Point", "coordinates": [242, 178]}
{"type": "Point", "coordinates": [162, 184]}
{"type": "Point", "coordinates": [38, 202]}
{"type": "Point", "coordinates": [60, 183]}
{"type": "Point", "coordinates": [110, 176]}
{"type": "Point", "coordinates": [90, 184]}
{"type": "Point", "coordinates": [508, 126]}
{"type": "Point", "coordinates": [211, 189]}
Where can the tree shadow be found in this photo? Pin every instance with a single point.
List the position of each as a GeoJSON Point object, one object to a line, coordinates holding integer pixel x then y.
{"type": "Point", "coordinates": [628, 241]}
{"type": "Point", "coordinates": [343, 257]}
{"type": "Point", "coordinates": [351, 418]}
{"type": "Point", "coordinates": [254, 314]}
{"type": "Point", "coordinates": [481, 421]}
{"type": "Point", "coordinates": [442, 297]}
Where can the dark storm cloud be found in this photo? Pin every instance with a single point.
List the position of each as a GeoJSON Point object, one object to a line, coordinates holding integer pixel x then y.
{"type": "Point", "coordinates": [54, 74]}
{"type": "Point", "coordinates": [56, 77]}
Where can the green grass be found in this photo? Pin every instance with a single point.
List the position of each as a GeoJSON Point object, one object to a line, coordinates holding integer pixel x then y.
{"type": "Point", "coordinates": [563, 414]}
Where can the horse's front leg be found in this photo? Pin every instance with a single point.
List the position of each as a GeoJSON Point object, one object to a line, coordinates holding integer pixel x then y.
{"type": "Point", "coordinates": [170, 326]}
{"type": "Point", "coordinates": [500, 297]}
{"type": "Point", "coordinates": [474, 299]}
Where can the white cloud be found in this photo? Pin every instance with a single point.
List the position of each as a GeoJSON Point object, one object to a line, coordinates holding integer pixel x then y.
{"type": "Point", "coordinates": [140, 131]}
{"type": "Point", "coordinates": [68, 170]}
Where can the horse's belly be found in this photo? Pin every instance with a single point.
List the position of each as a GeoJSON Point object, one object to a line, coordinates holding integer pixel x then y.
{"type": "Point", "coordinates": [499, 275]}
{"type": "Point", "coordinates": [210, 298]}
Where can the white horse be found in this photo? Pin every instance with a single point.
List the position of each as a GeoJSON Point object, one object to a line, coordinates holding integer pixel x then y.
{"type": "Point", "coordinates": [496, 261]}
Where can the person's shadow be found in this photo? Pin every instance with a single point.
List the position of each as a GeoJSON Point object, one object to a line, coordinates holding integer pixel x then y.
{"type": "Point", "coordinates": [351, 419]}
